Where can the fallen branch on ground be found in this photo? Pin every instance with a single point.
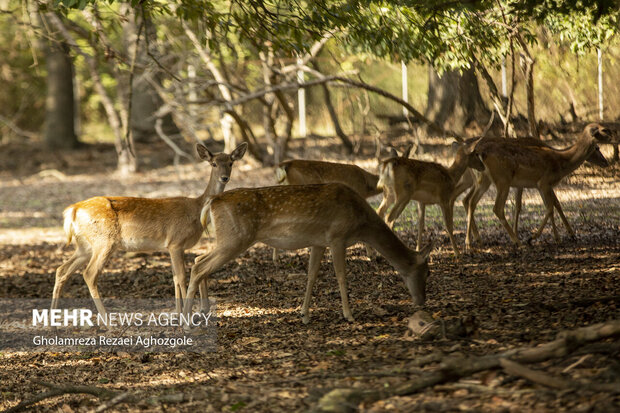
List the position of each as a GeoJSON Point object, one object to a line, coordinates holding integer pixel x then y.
{"type": "Point", "coordinates": [455, 368]}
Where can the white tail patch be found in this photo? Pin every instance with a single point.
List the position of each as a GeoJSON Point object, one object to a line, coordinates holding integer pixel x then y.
{"type": "Point", "coordinates": [281, 175]}
{"type": "Point", "coordinates": [69, 216]}
{"type": "Point", "coordinates": [386, 178]}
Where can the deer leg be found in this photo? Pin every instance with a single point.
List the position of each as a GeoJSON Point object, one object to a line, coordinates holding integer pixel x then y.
{"type": "Point", "coordinates": [517, 210]}
{"type": "Point", "coordinates": [205, 265]}
{"type": "Point", "coordinates": [549, 205]}
{"type": "Point", "coordinates": [562, 216]}
{"type": "Point", "coordinates": [421, 213]}
{"type": "Point", "coordinates": [178, 275]}
{"type": "Point", "coordinates": [481, 187]}
{"type": "Point", "coordinates": [66, 270]}
{"type": "Point", "coordinates": [339, 259]}
{"type": "Point", "coordinates": [498, 209]}
{"type": "Point", "coordinates": [397, 209]}
{"type": "Point", "coordinates": [448, 218]}
{"type": "Point", "coordinates": [316, 253]}
{"type": "Point", "coordinates": [388, 199]}
{"type": "Point", "coordinates": [556, 234]}
{"type": "Point", "coordinates": [91, 275]}
{"type": "Point", "coordinates": [474, 227]}
{"type": "Point", "coordinates": [274, 256]}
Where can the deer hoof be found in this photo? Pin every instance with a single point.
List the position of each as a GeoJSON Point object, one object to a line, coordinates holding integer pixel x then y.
{"type": "Point", "coordinates": [305, 319]}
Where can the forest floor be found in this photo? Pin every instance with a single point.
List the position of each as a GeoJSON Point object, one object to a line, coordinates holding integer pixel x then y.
{"type": "Point", "coordinates": [266, 359]}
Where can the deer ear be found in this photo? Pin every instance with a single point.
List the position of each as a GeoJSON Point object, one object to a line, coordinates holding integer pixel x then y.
{"type": "Point", "coordinates": [393, 153]}
{"type": "Point", "coordinates": [239, 151]}
{"type": "Point", "coordinates": [603, 135]}
{"type": "Point", "coordinates": [470, 145]}
{"type": "Point", "coordinates": [203, 152]}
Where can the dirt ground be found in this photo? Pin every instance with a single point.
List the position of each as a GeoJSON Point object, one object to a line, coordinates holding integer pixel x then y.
{"type": "Point", "coordinates": [267, 360]}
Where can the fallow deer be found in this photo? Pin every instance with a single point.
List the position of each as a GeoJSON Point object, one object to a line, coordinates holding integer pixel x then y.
{"type": "Point", "coordinates": [427, 183]}
{"type": "Point", "coordinates": [307, 172]}
{"type": "Point", "coordinates": [541, 167]}
{"type": "Point", "coordinates": [103, 224]}
{"type": "Point", "coordinates": [294, 217]}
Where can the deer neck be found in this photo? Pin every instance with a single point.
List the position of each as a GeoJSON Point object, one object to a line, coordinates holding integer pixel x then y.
{"type": "Point", "coordinates": [575, 155]}
{"type": "Point", "coordinates": [458, 167]}
{"type": "Point", "coordinates": [214, 187]}
{"type": "Point", "coordinates": [382, 239]}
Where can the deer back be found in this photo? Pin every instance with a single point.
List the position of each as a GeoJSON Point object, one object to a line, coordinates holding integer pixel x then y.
{"type": "Point", "coordinates": [308, 172]}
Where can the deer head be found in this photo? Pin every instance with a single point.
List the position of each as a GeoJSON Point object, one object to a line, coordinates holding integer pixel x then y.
{"type": "Point", "coordinates": [222, 162]}
{"type": "Point", "coordinates": [416, 275]}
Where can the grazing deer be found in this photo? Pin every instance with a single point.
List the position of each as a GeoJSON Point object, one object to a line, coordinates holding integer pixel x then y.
{"type": "Point", "coordinates": [101, 225]}
{"type": "Point", "coordinates": [428, 183]}
{"type": "Point", "coordinates": [541, 167]}
{"type": "Point", "coordinates": [299, 216]}
{"type": "Point", "coordinates": [308, 172]}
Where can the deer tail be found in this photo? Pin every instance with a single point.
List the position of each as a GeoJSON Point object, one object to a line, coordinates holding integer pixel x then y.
{"type": "Point", "coordinates": [69, 218]}
{"type": "Point", "coordinates": [281, 174]}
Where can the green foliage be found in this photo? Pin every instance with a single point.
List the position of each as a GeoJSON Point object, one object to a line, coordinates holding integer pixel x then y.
{"type": "Point", "coordinates": [448, 34]}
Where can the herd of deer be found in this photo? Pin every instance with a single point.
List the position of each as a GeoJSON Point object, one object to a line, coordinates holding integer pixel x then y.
{"type": "Point", "coordinates": [322, 206]}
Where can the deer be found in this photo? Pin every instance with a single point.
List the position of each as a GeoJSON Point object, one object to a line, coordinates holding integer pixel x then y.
{"type": "Point", "coordinates": [318, 216]}
{"type": "Point", "coordinates": [306, 172]}
{"type": "Point", "coordinates": [530, 166]}
{"type": "Point", "coordinates": [103, 224]}
{"type": "Point", "coordinates": [404, 179]}
{"type": "Point", "coordinates": [477, 178]}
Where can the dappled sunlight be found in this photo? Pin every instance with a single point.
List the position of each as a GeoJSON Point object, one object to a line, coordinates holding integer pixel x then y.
{"type": "Point", "coordinates": [32, 235]}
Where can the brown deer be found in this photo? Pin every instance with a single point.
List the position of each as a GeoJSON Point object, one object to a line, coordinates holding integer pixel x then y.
{"type": "Point", "coordinates": [294, 217]}
{"type": "Point", "coordinates": [307, 172]}
{"type": "Point", "coordinates": [541, 167]}
{"type": "Point", "coordinates": [101, 225]}
{"type": "Point", "coordinates": [480, 178]}
{"type": "Point", "coordinates": [428, 183]}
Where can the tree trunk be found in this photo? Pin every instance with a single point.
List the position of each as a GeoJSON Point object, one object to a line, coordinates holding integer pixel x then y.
{"type": "Point", "coordinates": [145, 100]}
{"type": "Point", "coordinates": [527, 66]}
{"type": "Point", "coordinates": [454, 101]}
{"type": "Point", "coordinates": [333, 115]}
{"type": "Point", "coordinates": [59, 104]}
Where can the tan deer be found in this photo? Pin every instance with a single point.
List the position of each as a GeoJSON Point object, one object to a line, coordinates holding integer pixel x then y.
{"type": "Point", "coordinates": [101, 225]}
{"type": "Point", "coordinates": [480, 178]}
{"type": "Point", "coordinates": [307, 172]}
{"type": "Point", "coordinates": [428, 183]}
{"type": "Point", "coordinates": [541, 167]}
{"type": "Point", "coordinates": [294, 217]}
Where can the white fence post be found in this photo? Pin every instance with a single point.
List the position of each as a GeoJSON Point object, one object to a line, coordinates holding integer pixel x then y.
{"type": "Point", "coordinates": [600, 83]}
{"type": "Point", "coordinates": [403, 70]}
{"type": "Point", "coordinates": [301, 99]}
{"type": "Point", "coordinates": [504, 81]}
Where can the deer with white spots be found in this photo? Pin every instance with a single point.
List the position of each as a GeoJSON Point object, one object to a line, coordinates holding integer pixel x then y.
{"type": "Point", "coordinates": [103, 224]}
{"type": "Point", "coordinates": [404, 179]}
{"type": "Point", "coordinates": [292, 217]}
{"type": "Point", "coordinates": [308, 172]}
{"type": "Point", "coordinates": [522, 166]}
